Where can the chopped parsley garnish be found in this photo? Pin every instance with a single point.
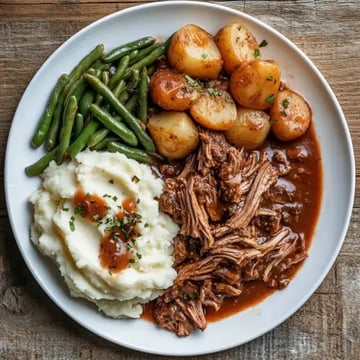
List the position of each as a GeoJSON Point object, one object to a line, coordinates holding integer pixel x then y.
{"type": "Point", "coordinates": [228, 99]}
{"type": "Point", "coordinates": [72, 224]}
{"type": "Point", "coordinates": [79, 209]}
{"type": "Point", "coordinates": [256, 53]}
{"type": "Point", "coordinates": [111, 181]}
{"type": "Point", "coordinates": [285, 103]}
{"type": "Point", "coordinates": [135, 179]}
{"type": "Point", "coordinates": [270, 99]}
{"type": "Point", "coordinates": [213, 91]}
{"type": "Point", "coordinates": [204, 56]}
{"type": "Point", "coordinates": [190, 80]}
{"type": "Point", "coordinates": [269, 78]}
{"type": "Point", "coordinates": [263, 43]}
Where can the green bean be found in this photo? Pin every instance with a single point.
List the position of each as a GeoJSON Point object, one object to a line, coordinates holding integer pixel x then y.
{"type": "Point", "coordinates": [126, 49]}
{"type": "Point", "coordinates": [74, 75]}
{"type": "Point", "coordinates": [133, 54]}
{"type": "Point", "coordinates": [142, 95]}
{"type": "Point", "coordinates": [151, 69]}
{"type": "Point", "coordinates": [66, 129]}
{"type": "Point", "coordinates": [153, 56]}
{"type": "Point", "coordinates": [79, 123]}
{"type": "Point", "coordinates": [130, 120]}
{"type": "Point", "coordinates": [39, 166]}
{"type": "Point", "coordinates": [94, 71]}
{"type": "Point", "coordinates": [134, 81]}
{"type": "Point", "coordinates": [124, 96]}
{"type": "Point", "coordinates": [85, 101]}
{"type": "Point", "coordinates": [52, 137]}
{"type": "Point", "coordinates": [47, 116]}
{"type": "Point", "coordinates": [130, 152]}
{"type": "Point", "coordinates": [120, 87]}
{"type": "Point", "coordinates": [76, 89]}
{"type": "Point", "coordinates": [80, 142]}
{"type": "Point", "coordinates": [104, 77]}
{"type": "Point", "coordinates": [131, 103]}
{"type": "Point", "coordinates": [102, 145]}
{"type": "Point", "coordinates": [86, 62]}
{"type": "Point", "coordinates": [111, 124]}
{"type": "Point", "coordinates": [100, 65]}
{"type": "Point", "coordinates": [97, 136]}
{"type": "Point", "coordinates": [143, 52]}
{"type": "Point", "coordinates": [123, 64]}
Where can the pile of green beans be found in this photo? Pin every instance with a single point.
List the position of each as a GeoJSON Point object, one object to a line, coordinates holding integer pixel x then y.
{"type": "Point", "coordinates": [101, 105]}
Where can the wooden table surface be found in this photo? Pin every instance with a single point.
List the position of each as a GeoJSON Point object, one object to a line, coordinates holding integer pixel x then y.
{"type": "Point", "coordinates": [326, 327]}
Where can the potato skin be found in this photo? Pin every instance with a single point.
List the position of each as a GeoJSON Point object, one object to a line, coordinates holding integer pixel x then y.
{"type": "Point", "coordinates": [174, 133]}
{"type": "Point", "coordinates": [237, 45]}
{"type": "Point", "coordinates": [214, 109]}
{"type": "Point", "coordinates": [250, 129]}
{"type": "Point", "coordinates": [171, 91]}
{"type": "Point", "coordinates": [290, 114]}
{"type": "Point", "coordinates": [255, 84]}
{"type": "Point", "coordinates": [193, 51]}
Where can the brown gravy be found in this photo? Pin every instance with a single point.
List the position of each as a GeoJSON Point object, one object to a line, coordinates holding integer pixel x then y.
{"type": "Point", "coordinates": [309, 191]}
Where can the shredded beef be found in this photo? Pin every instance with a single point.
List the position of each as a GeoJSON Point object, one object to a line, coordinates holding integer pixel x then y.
{"type": "Point", "coordinates": [235, 210]}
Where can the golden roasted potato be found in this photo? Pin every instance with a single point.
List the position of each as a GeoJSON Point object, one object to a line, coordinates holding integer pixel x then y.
{"type": "Point", "coordinates": [236, 44]}
{"type": "Point", "coordinates": [174, 133]}
{"type": "Point", "coordinates": [256, 84]}
{"type": "Point", "coordinates": [171, 91]}
{"type": "Point", "coordinates": [250, 129]}
{"type": "Point", "coordinates": [214, 109]}
{"type": "Point", "coordinates": [193, 51]}
{"type": "Point", "coordinates": [290, 115]}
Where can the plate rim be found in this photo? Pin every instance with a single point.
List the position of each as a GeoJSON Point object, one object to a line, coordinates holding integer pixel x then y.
{"type": "Point", "coordinates": [235, 12]}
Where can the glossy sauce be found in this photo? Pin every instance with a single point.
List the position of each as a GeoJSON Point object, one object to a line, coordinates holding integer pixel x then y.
{"type": "Point", "coordinates": [308, 191]}
{"type": "Point", "coordinates": [92, 207]}
{"type": "Point", "coordinates": [113, 253]}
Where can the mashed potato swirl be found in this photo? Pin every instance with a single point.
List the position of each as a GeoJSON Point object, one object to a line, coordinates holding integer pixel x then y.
{"type": "Point", "coordinates": [73, 242]}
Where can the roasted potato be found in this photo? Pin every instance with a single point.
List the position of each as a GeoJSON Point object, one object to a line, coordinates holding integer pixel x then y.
{"type": "Point", "coordinates": [255, 84]}
{"type": "Point", "coordinates": [237, 45]}
{"type": "Point", "coordinates": [174, 133]}
{"type": "Point", "coordinates": [193, 51]}
{"type": "Point", "coordinates": [290, 114]}
{"type": "Point", "coordinates": [214, 109]}
{"type": "Point", "coordinates": [171, 91]}
{"type": "Point", "coordinates": [250, 129]}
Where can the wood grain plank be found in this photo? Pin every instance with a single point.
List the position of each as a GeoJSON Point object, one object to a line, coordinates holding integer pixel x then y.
{"type": "Point", "coordinates": [326, 327]}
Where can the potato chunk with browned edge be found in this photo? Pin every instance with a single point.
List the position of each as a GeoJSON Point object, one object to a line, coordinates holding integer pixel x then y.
{"type": "Point", "coordinates": [290, 114]}
{"type": "Point", "coordinates": [250, 129]}
{"type": "Point", "coordinates": [237, 45]}
{"type": "Point", "coordinates": [174, 133]}
{"type": "Point", "coordinates": [214, 109]}
{"type": "Point", "coordinates": [193, 51]}
{"type": "Point", "coordinates": [171, 91]}
{"type": "Point", "coordinates": [256, 84]}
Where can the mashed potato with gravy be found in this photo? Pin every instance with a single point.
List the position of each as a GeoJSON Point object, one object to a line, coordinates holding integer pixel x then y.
{"type": "Point", "coordinates": [81, 245]}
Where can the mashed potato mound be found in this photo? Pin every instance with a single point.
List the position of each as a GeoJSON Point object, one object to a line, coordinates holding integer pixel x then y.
{"type": "Point", "coordinates": [74, 242]}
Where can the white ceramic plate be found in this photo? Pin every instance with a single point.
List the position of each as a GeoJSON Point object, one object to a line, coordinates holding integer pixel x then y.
{"type": "Point", "coordinates": [162, 19]}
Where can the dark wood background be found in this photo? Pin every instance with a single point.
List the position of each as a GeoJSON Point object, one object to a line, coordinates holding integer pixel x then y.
{"type": "Point", "coordinates": [326, 327]}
